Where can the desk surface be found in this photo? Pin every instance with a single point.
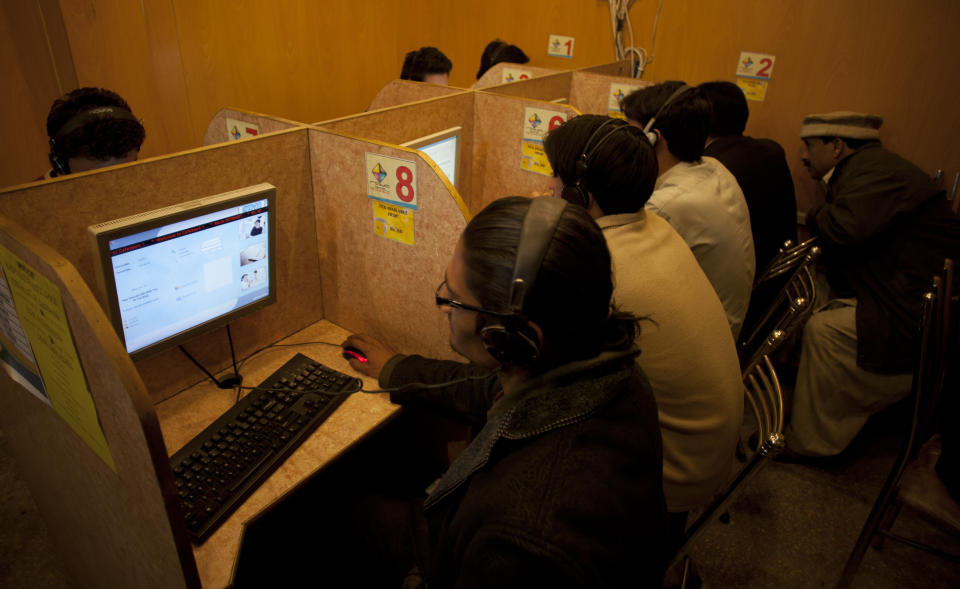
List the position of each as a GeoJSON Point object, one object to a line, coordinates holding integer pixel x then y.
{"type": "Point", "coordinates": [185, 415]}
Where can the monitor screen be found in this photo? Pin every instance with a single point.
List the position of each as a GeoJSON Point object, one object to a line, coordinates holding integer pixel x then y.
{"type": "Point", "coordinates": [442, 148]}
{"type": "Point", "coordinates": [176, 272]}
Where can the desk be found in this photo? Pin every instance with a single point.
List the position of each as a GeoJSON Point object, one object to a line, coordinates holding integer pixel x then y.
{"type": "Point", "coordinates": [184, 416]}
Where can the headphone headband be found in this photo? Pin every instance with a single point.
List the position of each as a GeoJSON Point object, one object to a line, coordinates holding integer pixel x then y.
{"type": "Point", "coordinates": [647, 129]}
{"type": "Point", "coordinates": [539, 225]}
{"type": "Point", "coordinates": [99, 113]}
{"type": "Point", "coordinates": [575, 193]}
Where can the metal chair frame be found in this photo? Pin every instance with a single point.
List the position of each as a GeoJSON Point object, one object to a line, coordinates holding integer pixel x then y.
{"type": "Point", "coordinates": [762, 391]}
{"type": "Point", "coordinates": [938, 347]}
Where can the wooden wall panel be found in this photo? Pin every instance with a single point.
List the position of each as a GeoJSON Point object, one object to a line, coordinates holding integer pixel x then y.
{"type": "Point", "coordinates": [35, 65]}
{"type": "Point", "coordinates": [889, 57]}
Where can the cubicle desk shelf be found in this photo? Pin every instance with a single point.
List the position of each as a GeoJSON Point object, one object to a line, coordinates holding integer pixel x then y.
{"type": "Point", "coordinates": [185, 415]}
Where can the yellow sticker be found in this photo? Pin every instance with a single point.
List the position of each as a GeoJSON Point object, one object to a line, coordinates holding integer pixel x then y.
{"type": "Point", "coordinates": [535, 159]}
{"type": "Point", "coordinates": [753, 89]}
{"type": "Point", "coordinates": [393, 222]}
{"type": "Point", "coordinates": [40, 309]}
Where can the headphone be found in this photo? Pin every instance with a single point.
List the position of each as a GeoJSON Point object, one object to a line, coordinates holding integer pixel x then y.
{"type": "Point", "coordinates": [61, 165]}
{"type": "Point", "coordinates": [648, 128]}
{"type": "Point", "coordinates": [575, 194]}
{"type": "Point", "coordinates": [510, 339]}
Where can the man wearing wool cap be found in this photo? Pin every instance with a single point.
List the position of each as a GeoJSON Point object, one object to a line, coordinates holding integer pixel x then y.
{"type": "Point", "coordinates": [884, 230]}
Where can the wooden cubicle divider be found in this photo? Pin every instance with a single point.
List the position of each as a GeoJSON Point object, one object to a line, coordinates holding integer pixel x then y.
{"type": "Point", "coordinates": [372, 284]}
{"type": "Point", "coordinates": [219, 129]}
{"type": "Point", "coordinates": [402, 123]}
{"type": "Point", "coordinates": [498, 148]}
{"type": "Point", "coordinates": [587, 91]}
{"type": "Point", "coordinates": [590, 92]}
{"type": "Point", "coordinates": [623, 68]}
{"type": "Point", "coordinates": [63, 208]}
{"type": "Point", "coordinates": [398, 92]}
{"type": "Point", "coordinates": [491, 142]}
{"type": "Point", "coordinates": [494, 75]}
{"type": "Point", "coordinates": [111, 525]}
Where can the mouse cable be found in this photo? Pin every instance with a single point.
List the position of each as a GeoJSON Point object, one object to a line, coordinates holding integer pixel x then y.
{"type": "Point", "coordinates": [417, 386]}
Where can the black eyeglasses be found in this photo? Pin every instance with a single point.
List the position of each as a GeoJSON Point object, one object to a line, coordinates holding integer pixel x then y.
{"type": "Point", "coordinates": [444, 301]}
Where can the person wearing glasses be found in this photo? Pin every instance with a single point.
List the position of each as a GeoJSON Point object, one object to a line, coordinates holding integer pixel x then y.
{"type": "Point", "coordinates": [561, 484]}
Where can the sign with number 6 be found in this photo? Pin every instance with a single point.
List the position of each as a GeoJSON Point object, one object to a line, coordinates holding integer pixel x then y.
{"type": "Point", "coordinates": [391, 179]}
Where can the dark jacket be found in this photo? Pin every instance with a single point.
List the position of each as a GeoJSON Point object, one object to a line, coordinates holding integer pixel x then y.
{"type": "Point", "coordinates": [560, 488]}
{"type": "Point", "coordinates": [760, 167]}
{"type": "Point", "coordinates": [884, 231]}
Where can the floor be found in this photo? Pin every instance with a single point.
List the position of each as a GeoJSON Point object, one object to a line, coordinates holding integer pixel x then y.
{"type": "Point", "coordinates": [791, 525]}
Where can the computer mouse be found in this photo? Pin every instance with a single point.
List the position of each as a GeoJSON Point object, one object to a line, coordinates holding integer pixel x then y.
{"type": "Point", "coordinates": [352, 352]}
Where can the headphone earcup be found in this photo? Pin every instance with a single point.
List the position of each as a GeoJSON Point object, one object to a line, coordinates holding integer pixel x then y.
{"type": "Point", "coordinates": [511, 342]}
{"type": "Point", "coordinates": [651, 137]}
{"type": "Point", "coordinates": [60, 167]}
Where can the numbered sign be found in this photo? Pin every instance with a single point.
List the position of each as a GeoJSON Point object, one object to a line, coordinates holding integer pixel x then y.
{"type": "Point", "coordinates": [560, 46]}
{"type": "Point", "coordinates": [537, 123]}
{"type": "Point", "coordinates": [391, 180]}
{"type": "Point", "coordinates": [755, 65]}
{"type": "Point", "coordinates": [241, 129]}
{"type": "Point", "coordinates": [618, 92]}
{"type": "Point", "coordinates": [514, 75]}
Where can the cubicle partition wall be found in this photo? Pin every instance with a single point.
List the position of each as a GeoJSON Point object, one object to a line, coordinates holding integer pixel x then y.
{"type": "Point", "coordinates": [586, 91]}
{"type": "Point", "coordinates": [492, 140]}
{"type": "Point", "coordinates": [617, 68]}
{"type": "Point", "coordinates": [499, 147]}
{"type": "Point", "coordinates": [498, 74]}
{"type": "Point", "coordinates": [230, 124]}
{"type": "Point", "coordinates": [375, 280]}
{"type": "Point", "coordinates": [404, 91]}
{"type": "Point", "coordinates": [60, 210]}
{"type": "Point", "coordinates": [94, 460]}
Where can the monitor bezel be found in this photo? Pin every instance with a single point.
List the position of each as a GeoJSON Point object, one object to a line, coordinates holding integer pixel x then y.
{"type": "Point", "coordinates": [102, 233]}
{"type": "Point", "coordinates": [432, 138]}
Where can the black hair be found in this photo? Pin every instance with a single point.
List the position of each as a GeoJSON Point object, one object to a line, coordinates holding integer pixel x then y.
{"type": "Point", "coordinates": [621, 169]}
{"type": "Point", "coordinates": [498, 51]}
{"type": "Point", "coordinates": [571, 297]}
{"type": "Point", "coordinates": [728, 108]}
{"type": "Point", "coordinates": [104, 136]}
{"type": "Point", "coordinates": [851, 143]}
{"type": "Point", "coordinates": [684, 122]}
{"type": "Point", "coordinates": [422, 62]}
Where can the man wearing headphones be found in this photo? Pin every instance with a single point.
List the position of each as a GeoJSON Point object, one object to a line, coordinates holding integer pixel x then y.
{"type": "Point", "coordinates": [608, 167]}
{"type": "Point", "coordinates": [427, 64]}
{"type": "Point", "coordinates": [697, 195]}
{"type": "Point", "coordinates": [91, 128]}
{"type": "Point", "coordinates": [561, 485]}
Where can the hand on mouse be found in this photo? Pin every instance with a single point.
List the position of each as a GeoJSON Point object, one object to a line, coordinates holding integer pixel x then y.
{"type": "Point", "coordinates": [377, 354]}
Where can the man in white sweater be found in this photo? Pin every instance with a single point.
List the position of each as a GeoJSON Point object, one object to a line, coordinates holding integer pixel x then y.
{"type": "Point", "coordinates": [697, 195]}
{"type": "Point", "coordinates": [687, 352]}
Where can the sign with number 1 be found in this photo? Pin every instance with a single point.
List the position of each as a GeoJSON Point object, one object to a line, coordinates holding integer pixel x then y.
{"type": "Point", "coordinates": [560, 46]}
{"type": "Point", "coordinates": [391, 179]}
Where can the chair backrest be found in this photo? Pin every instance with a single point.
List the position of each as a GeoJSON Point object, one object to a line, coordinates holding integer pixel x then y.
{"type": "Point", "coordinates": [789, 257]}
{"type": "Point", "coordinates": [762, 391]}
{"type": "Point", "coordinates": [788, 311]}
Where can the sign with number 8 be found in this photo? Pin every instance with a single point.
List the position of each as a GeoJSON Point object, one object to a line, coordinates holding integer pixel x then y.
{"type": "Point", "coordinates": [391, 179]}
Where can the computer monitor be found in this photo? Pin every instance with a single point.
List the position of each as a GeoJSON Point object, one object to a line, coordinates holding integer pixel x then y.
{"type": "Point", "coordinates": [443, 149]}
{"type": "Point", "coordinates": [176, 272]}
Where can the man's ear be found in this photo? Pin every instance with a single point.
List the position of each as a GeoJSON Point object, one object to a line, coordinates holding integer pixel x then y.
{"type": "Point", "coordinates": [839, 147]}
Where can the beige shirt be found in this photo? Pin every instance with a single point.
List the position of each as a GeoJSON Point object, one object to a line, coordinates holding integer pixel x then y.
{"type": "Point", "coordinates": [688, 353]}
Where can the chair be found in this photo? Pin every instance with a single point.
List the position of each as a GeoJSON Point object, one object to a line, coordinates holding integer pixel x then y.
{"type": "Point", "coordinates": [790, 308]}
{"type": "Point", "coordinates": [762, 392]}
{"type": "Point", "coordinates": [789, 257]}
{"type": "Point", "coordinates": [912, 481]}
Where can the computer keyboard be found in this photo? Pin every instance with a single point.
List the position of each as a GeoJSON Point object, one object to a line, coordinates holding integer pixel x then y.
{"type": "Point", "coordinates": [228, 460]}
